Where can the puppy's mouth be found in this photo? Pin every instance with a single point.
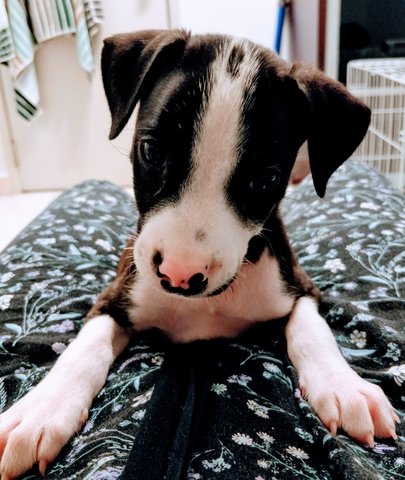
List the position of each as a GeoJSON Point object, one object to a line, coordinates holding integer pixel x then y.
{"type": "Point", "coordinates": [196, 289]}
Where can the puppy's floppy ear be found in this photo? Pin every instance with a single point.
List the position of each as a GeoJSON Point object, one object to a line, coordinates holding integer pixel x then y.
{"type": "Point", "coordinates": [131, 62]}
{"type": "Point", "coordinates": [337, 125]}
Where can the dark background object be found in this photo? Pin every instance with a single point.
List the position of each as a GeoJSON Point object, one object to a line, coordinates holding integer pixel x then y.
{"type": "Point", "coordinates": [371, 29]}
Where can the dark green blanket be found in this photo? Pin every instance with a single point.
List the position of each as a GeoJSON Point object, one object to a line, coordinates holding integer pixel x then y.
{"type": "Point", "coordinates": [249, 421]}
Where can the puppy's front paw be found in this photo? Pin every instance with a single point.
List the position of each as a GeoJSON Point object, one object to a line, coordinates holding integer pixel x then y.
{"type": "Point", "coordinates": [344, 400]}
{"type": "Point", "coordinates": [35, 429]}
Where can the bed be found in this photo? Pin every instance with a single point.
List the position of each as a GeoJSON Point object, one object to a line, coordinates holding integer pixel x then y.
{"type": "Point", "coordinates": [226, 409]}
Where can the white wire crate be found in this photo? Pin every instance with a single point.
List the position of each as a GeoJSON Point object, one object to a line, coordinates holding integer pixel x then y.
{"type": "Point", "coordinates": [380, 83]}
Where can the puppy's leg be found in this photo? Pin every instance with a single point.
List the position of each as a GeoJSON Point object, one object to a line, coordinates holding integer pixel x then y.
{"type": "Point", "coordinates": [339, 396]}
{"type": "Point", "coordinates": [37, 427]}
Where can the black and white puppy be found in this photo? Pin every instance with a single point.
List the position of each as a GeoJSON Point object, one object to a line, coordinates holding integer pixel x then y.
{"type": "Point", "coordinates": [219, 125]}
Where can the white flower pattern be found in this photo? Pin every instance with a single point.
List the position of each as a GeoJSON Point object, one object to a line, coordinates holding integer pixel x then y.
{"type": "Point", "coordinates": [267, 428]}
{"type": "Point", "coordinates": [5, 301]}
{"type": "Point", "coordinates": [359, 338]}
{"type": "Point", "coordinates": [297, 452]}
{"type": "Point", "coordinates": [336, 265]}
{"type": "Point", "coordinates": [398, 373]}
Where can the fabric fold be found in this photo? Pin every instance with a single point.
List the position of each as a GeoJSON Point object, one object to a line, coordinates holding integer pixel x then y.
{"type": "Point", "coordinates": [173, 420]}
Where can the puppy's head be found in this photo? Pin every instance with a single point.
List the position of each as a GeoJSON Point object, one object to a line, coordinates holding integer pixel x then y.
{"type": "Point", "coordinates": [219, 125]}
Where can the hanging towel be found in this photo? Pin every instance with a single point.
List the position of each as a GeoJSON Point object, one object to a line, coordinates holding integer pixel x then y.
{"type": "Point", "coordinates": [52, 18]}
{"type": "Point", "coordinates": [21, 63]}
{"type": "Point", "coordinates": [93, 10]}
{"type": "Point", "coordinates": [6, 41]}
{"type": "Point", "coordinates": [49, 19]}
{"type": "Point", "coordinates": [83, 43]}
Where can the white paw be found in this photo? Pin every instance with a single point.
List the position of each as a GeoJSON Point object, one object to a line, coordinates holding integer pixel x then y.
{"type": "Point", "coordinates": [344, 400]}
{"type": "Point", "coordinates": [35, 429]}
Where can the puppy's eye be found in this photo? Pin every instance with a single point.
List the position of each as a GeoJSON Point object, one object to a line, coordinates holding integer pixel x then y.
{"type": "Point", "coordinates": [151, 154]}
{"type": "Point", "coordinates": [265, 181]}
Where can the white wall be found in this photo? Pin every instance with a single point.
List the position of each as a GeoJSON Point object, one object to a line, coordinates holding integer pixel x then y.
{"type": "Point", "coordinates": [3, 163]}
{"type": "Point", "coordinates": [300, 38]}
{"type": "Point", "coordinates": [69, 143]}
{"type": "Point", "coordinates": [257, 21]}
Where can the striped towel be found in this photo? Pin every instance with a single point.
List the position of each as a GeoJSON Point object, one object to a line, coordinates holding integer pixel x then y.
{"type": "Point", "coordinates": [94, 15]}
{"type": "Point", "coordinates": [49, 19]}
{"type": "Point", "coordinates": [52, 18]}
{"type": "Point", "coordinates": [6, 40]}
{"type": "Point", "coordinates": [17, 47]}
{"type": "Point", "coordinates": [83, 43]}
{"type": "Point", "coordinates": [88, 16]}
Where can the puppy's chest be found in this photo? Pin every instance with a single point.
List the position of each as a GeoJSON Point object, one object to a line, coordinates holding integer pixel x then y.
{"type": "Point", "coordinates": [257, 294]}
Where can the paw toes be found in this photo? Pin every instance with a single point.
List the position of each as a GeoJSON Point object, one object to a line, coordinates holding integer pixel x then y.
{"type": "Point", "coordinates": [13, 463]}
{"type": "Point", "coordinates": [382, 413]}
{"type": "Point", "coordinates": [83, 417]}
{"type": "Point", "coordinates": [5, 476]}
{"type": "Point", "coordinates": [384, 424]}
{"type": "Point", "coordinates": [7, 425]}
{"type": "Point", "coordinates": [395, 417]}
{"type": "Point", "coordinates": [332, 426]}
{"type": "Point", "coordinates": [355, 412]}
{"type": "Point", "coordinates": [360, 408]}
{"type": "Point", "coordinates": [366, 439]}
{"type": "Point", "coordinates": [327, 407]}
{"type": "Point", "coordinates": [39, 444]}
{"type": "Point", "coordinates": [42, 466]}
{"type": "Point", "coordinates": [50, 444]}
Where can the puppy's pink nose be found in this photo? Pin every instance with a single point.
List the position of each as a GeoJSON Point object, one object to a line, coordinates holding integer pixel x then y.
{"type": "Point", "coordinates": [179, 275]}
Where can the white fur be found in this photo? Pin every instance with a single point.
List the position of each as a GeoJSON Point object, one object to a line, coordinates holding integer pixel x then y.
{"type": "Point", "coordinates": [36, 427]}
{"type": "Point", "coordinates": [220, 124]}
{"type": "Point", "coordinates": [256, 295]}
{"type": "Point", "coordinates": [339, 396]}
{"type": "Point", "coordinates": [172, 229]}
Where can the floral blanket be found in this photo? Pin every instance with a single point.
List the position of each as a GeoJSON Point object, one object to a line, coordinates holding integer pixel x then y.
{"type": "Point", "coordinates": [215, 410]}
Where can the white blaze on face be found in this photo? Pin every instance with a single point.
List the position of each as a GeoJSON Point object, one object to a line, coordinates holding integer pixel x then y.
{"type": "Point", "coordinates": [220, 123]}
{"type": "Point", "coordinates": [172, 230]}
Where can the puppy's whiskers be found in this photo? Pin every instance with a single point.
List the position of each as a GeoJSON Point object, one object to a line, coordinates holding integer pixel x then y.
{"type": "Point", "coordinates": [268, 242]}
{"type": "Point", "coordinates": [121, 150]}
{"type": "Point", "coordinates": [247, 261]}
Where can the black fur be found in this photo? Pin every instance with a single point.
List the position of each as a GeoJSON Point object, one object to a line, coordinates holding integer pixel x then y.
{"type": "Point", "coordinates": [235, 59]}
